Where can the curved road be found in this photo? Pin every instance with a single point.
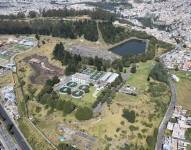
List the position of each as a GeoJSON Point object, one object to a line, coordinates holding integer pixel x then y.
{"type": "Point", "coordinates": [167, 116]}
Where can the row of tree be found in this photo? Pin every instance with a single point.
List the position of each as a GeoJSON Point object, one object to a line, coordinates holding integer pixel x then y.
{"type": "Point", "coordinates": [95, 14]}
{"type": "Point", "coordinates": [57, 28]}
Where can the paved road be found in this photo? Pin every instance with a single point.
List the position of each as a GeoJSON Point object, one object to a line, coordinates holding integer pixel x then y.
{"type": "Point", "coordinates": [167, 116]}
{"type": "Point", "coordinates": [7, 140]}
{"type": "Point", "coordinates": [17, 133]}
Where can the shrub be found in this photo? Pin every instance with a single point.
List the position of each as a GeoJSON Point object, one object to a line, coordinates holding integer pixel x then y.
{"type": "Point", "coordinates": [133, 68]}
{"type": "Point", "coordinates": [133, 128]}
{"type": "Point", "coordinates": [129, 115]}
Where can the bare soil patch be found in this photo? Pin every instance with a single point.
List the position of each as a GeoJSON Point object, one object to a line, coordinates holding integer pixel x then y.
{"type": "Point", "coordinates": [42, 68]}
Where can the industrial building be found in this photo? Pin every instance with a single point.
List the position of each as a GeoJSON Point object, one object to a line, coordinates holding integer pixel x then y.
{"type": "Point", "coordinates": [81, 78]}
{"type": "Point", "coordinates": [78, 83]}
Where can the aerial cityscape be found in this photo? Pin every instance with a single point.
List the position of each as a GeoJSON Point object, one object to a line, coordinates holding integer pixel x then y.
{"type": "Point", "coordinates": [95, 75]}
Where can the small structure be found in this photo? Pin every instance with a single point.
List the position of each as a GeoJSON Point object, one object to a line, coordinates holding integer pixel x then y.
{"type": "Point", "coordinates": [35, 60]}
{"type": "Point", "coordinates": [128, 90]}
{"type": "Point", "coordinates": [170, 126]}
{"type": "Point", "coordinates": [175, 78]}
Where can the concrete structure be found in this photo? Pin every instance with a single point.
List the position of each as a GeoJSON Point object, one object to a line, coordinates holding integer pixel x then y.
{"type": "Point", "coordinates": [81, 78]}
{"type": "Point", "coordinates": [105, 77]}
{"type": "Point", "coordinates": [128, 90]}
{"type": "Point", "coordinates": [112, 78]}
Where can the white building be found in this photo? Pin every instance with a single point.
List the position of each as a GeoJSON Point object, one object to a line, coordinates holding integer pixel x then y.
{"type": "Point", "coordinates": [112, 77]}
{"type": "Point", "coordinates": [105, 77]}
{"type": "Point", "coordinates": [81, 78]}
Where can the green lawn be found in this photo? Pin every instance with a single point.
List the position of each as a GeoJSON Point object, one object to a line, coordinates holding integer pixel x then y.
{"type": "Point", "coordinates": [184, 90]}
{"type": "Point", "coordinates": [148, 113]}
{"type": "Point", "coordinates": [139, 79]}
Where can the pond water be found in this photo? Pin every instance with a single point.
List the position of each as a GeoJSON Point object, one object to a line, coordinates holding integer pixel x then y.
{"type": "Point", "coordinates": [131, 47]}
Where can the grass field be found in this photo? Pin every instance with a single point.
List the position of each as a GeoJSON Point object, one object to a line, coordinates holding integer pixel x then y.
{"type": "Point", "coordinates": [35, 140]}
{"type": "Point", "coordinates": [184, 90]}
{"type": "Point", "coordinates": [110, 127]}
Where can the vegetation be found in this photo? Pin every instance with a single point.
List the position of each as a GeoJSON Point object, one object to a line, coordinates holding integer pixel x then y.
{"type": "Point", "coordinates": [106, 96]}
{"type": "Point", "coordinates": [159, 73]}
{"type": "Point", "coordinates": [188, 134]}
{"type": "Point", "coordinates": [188, 147]}
{"type": "Point", "coordinates": [107, 29]}
{"type": "Point", "coordinates": [133, 68]}
{"type": "Point", "coordinates": [58, 28]}
{"type": "Point", "coordinates": [36, 141]}
{"type": "Point", "coordinates": [129, 115]}
{"type": "Point", "coordinates": [84, 113]}
{"type": "Point", "coordinates": [50, 98]}
{"type": "Point", "coordinates": [157, 89]}
{"type": "Point", "coordinates": [183, 98]}
{"type": "Point", "coordinates": [96, 14]}
{"type": "Point", "coordinates": [151, 140]}
{"type": "Point", "coordinates": [63, 146]}
{"type": "Point", "coordinates": [74, 62]}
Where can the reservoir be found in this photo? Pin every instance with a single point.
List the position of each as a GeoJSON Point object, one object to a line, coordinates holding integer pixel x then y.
{"type": "Point", "coordinates": [131, 47]}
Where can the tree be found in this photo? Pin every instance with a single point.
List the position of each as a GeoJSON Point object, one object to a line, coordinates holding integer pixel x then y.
{"type": "Point", "coordinates": [38, 39]}
{"type": "Point", "coordinates": [32, 14]}
{"type": "Point", "coordinates": [133, 68]}
{"type": "Point", "coordinates": [10, 127]}
{"type": "Point", "coordinates": [58, 51]}
{"type": "Point", "coordinates": [20, 15]}
{"type": "Point", "coordinates": [84, 113]}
